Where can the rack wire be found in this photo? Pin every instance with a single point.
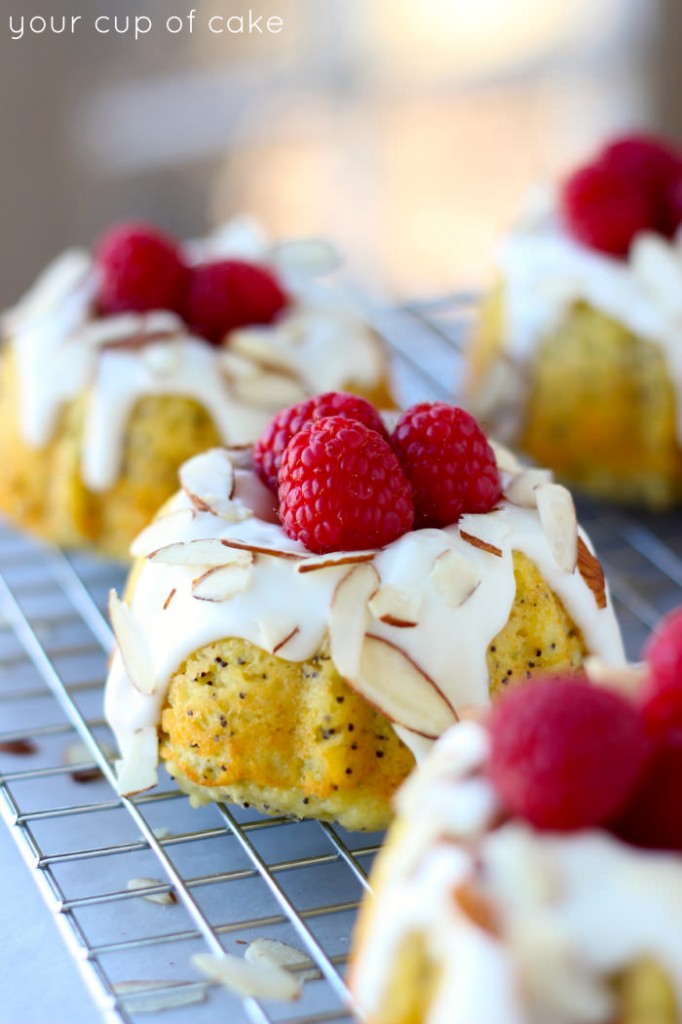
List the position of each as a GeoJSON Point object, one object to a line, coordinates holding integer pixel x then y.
{"type": "Point", "coordinates": [233, 874]}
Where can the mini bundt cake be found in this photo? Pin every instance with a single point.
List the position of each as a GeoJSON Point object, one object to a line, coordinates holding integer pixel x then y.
{"type": "Point", "coordinates": [300, 662]}
{"type": "Point", "coordinates": [576, 355]}
{"type": "Point", "coordinates": [118, 367]}
{"type": "Point", "coordinates": [534, 869]}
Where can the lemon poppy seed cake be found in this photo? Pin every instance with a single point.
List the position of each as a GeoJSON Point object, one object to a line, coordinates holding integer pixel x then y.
{"type": "Point", "coordinates": [297, 652]}
{"type": "Point", "coordinates": [118, 366]}
{"type": "Point", "coordinates": [576, 358]}
{"type": "Point", "coordinates": [534, 870]}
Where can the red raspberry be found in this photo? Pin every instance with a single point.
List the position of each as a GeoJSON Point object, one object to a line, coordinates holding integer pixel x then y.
{"type": "Point", "coordinates": [661, 695]}
{"type": "Point", "coordinates": [652, 816]}
{"type": "Point", "coordinates": [230, 294]}
{"type": "Point", "coordinates": [341, 488]}
{"type": "Point", "coordinates": [448, 461]}
{"type": "Point", "coordinates": [603, 209]}
{"type": "Point", "coordinates": [267, 452]}
{"type": "Point", "coordinates": [140, 269]}
{"type": "Point", "coordinates": [655, 167]}
{"type": "Point", "coordinates": [564, 754]}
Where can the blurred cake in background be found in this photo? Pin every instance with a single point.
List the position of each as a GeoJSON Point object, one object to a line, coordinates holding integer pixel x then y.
{"type": "Point", "coordinates": [577, 357]}
{"type": "Point", "coordinates": [534, 871]}
{"type": "Point", "coordinates": [118, 366]}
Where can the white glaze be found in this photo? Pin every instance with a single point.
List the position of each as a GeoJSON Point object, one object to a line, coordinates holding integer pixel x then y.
{"type": "Point", "coordinates": [448, 644]}
{"type": "Point", "coordinates": [571, 909]}
{"type": "Point", "coordinates": [545, 272]}
{"type": "Point", "coordinates": [321, 342]}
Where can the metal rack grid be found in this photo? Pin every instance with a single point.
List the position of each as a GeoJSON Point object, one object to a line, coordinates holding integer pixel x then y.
{"type": "Point", "coordinates": [235, 875]}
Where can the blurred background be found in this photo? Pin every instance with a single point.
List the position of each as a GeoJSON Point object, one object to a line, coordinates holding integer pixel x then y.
{"type": "Point", "coordinates": [407, 130]}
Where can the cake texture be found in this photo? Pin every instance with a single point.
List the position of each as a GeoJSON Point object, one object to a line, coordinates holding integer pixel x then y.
{"type": "Point", "coordinates": [576, 354]}
{"type": "Point", "coordinates": [103, 394]}
{"type": "Point", "coordinates": [264, 673]}
{"type": "Point", "coordinates": [478, 914]}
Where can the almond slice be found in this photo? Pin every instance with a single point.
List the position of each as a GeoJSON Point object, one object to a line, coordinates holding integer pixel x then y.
{"type": "Point", "coordinates": [260, 549]}
{"type": "Point", "coordinates": [153, 996]}
{"type": "Point", "coordinates": [591, 571]}
{"type": "Point", "coordinates": [258, 346]}
{"type": "Point", "coordinates": [211, 552]}
{"type": "Point", "coordinates": [505, 459]}
{"type": "Point", "coordinates": [477, 907]}
{"type": "Point", "coordinates": [396, 606]}
{"type": "Point", "coordinates": [269, 390]}
{"type": "Point", "coordinates": [260, 980]}
{"type": "Point", "coordinates": [282, 643]}
{"type": "Point", "coordinates": [522, 488]}
{"type": "Point", "coordinates": [133, 645]}
{"type": "Point", "coordinates": [18, 747]}
{"type": "Point", "coordinates": [281, 954]}
{"type": "Point", "coordinates": [626, 679]}
{"type": "Point", "coordinates": [391, 681]}
{"type": "Point", "coordinates": [348, 616]}
{"type": "Point", "coordinates": [454, 577]}
{"type": "Point", "coordinates": [484, 545]}
{"type": "Point", "coordinates": [221, 582]}
{"type": "Point", "coordinates": [335, 558]}
{"type": "Point", "coordinates": [558, 519]}
{"type": "Point", "coordinates": [164, 899]}
{"type": "Point", "coordinates": [161, 531]}
{"type": "Point", "coordinates": [136, 771]}
{"type": "Point", "coordinates": [208, 481]}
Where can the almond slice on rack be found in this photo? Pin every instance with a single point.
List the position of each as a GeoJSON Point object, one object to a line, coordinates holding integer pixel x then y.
{"type": "Point", "coordinates": [333, 559]}
{"type": "Point", "coordinates": [348, 616]}
{"type": "Point", "coordinates": [260, 980]}
{"type": "Point", "coordinates": [136, 771]}
{"type": "Point", "coordinates": [139, 885]}
{"type": "Point", "coordinates": [221, 582]}
{"type": "Point", "coordinates": [133, 645]}
{"type": "Point", "coordinates": [281, 954]}
{"type": "Point", "coordinates": [522, 488]}
{"type": "Point", "coordinates": [212, 552]}
{"type": "Point", "coordinates": [394, 684]}
{"type": "Point", "coordinates": [208, 481]}
{"type": "Point", "coordinates": [154, 996]}
{"type": "Point", "coordinates": [454, 577]}
{"type": "Point", "coordinates": [559, 522]}
{"type": "Point", "coordinates": [396, 606]}
{"type": "Point", "coordinates": [161, 531]}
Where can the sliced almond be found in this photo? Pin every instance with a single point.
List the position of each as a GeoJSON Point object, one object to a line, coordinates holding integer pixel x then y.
{"type": "Point", "coordinates": [164, 899]}
{"type": "Point", "coordinates": [137, 769]}
{"type": "Point", "coordinates": [484, 545]}
{"type": "Point", "coordinates": [161, 531]}
{"type": "Point", "coordinates": [522, 488]}
{"type": "Point", "coordinates": [626, 679]}
{"type": "Point", "coordinates": [133, 645]}
{"type": "Point", "coordinates": [269, 390]}
{"type": "Point", "coordinates": [348, 615]}
{"type": "Point", "coordinates": [333, 559]}
{"type": "Point", "coordinates": [591, 571]}
{"type": "Point", "coordinates": [211, 552]}
{"type": "Point", "coordinates": [132, 330]}
{"type": "Point", "coordinates": [260, 549]}
{"type": "Point", "coordinates": [391, 681]}
{"type": "Point", "coordinates": [282, 643]}
{"type": "Point", "coordinates": [558, 519]}
{"type": "Point", "coordinates": [506, 460]}
{"type": "Point", "coordinates": [260, 980]}
{"type": "Point", "coordinates": [162, 357]}
{"type": "Point", "coordinates": [258, 346]}
{"type": "Point", "coordinates": [281, 954]}
{"type": "Point", "coordinates": [396, 606]}
{"type": "Point", "coordinates": [171, 595]}
{"type": "Point", "coordinates": [454, 577]}
{"type": "Point", "coordinates": [221, 583]}
{"type": "Point", "coordinates": [208, 481]}
{"type": "Point", "coordinates": [78, 753]}
{"type": "Point", "coordinates": [477, 907]}
{"type": "Point", "coordinates": [19, 747]}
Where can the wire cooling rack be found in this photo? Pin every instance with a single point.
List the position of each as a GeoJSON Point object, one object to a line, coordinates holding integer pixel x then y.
{"type": "Point", "coordinates": [234, 875]}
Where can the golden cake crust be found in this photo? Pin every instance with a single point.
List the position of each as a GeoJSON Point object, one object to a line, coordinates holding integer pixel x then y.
{"type": "Point", "coordinates": [246, 726]}
{"type": "Point", "coordinates": [600, 407]}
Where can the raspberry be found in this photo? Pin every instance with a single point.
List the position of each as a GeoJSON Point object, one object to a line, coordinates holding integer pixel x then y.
{"type": "Point", "coordinates": [230, 294]}
{"type": "Point", "coordinates": [603, 209]}
{"type": "Point", "coordinates": [341, 487]}
{"type": "Point", "coordinates": [655, 167]}
{"type": "Point", "coordinates": [652, 817]}
{"type": "Point", "coordinates": [661, 696]}
{"type": "Point", "coordinates": [564, 754]}
{"type": "Point", "coordinates": [448, 461]}
{"type": "Point", "coordinates": [140, 269]}
{"type": "Point", "coordinates": [267, 452]}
